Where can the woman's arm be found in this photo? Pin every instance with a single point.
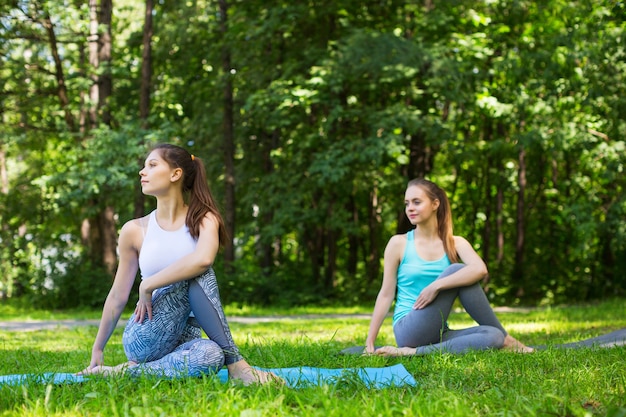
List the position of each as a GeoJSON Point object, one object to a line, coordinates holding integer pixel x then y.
{"type": "Point", "coordinates": [387, 293]}
{"type": "Point", "coordinates": [119, 293]}
{"type": "Point", "coordinates": [187, 267]}
{"type": "Point", "coordinates": [474, 270]}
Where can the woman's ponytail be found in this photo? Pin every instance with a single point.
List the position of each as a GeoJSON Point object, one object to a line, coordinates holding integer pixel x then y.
{"type": "Point", "coordinates": [195, 189]}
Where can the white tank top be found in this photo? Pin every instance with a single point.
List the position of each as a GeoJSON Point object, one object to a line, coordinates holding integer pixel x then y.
{"type": "Point", "coordinates": [161, 248]}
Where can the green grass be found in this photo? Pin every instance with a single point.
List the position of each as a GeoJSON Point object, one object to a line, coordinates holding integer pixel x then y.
{"type": "Point", "coordinates": [554, 382]}
{"type": "Point", "coordinates": [18, 310]}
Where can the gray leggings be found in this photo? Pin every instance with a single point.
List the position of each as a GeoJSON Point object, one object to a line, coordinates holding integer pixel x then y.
{"type": "Point", "coordinates": [171, 344]}
{"type": "Point", "coordinates": [427, 329]}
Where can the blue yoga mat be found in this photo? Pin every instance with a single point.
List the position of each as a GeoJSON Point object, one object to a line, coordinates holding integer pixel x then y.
{"type": "Point", "coordinates": [609, 340]}
{"type": "Point", "coordinates": [298, 377]}
{"type": "Point", "coordinates": [614, 339]}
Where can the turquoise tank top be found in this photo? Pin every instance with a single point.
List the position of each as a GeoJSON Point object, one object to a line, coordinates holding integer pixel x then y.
{"type": "Point", "coordinates": [414, 274]}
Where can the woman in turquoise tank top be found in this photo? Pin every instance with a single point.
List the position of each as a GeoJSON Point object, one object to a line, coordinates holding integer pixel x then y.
{"type": "Point", "coordinates": [425, 270]}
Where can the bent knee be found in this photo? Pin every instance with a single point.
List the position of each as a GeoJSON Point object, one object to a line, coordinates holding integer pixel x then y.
{"type": "Point", "coordinates": [451, 269]}
{"type": "Point", "coordinates": [208, 354]}
{"type": "Point", "coordinates": [493, 336]}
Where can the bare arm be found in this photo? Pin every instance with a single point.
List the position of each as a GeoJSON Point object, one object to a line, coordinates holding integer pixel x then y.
{"type": "Point", "coordinates": [474, 270]}
{"type": "Point", "coordinates": [119, 293]}
{"type": "Point", "coordinates": [387, 293]}
{"type": "Point", "coordinates": [187, 267]}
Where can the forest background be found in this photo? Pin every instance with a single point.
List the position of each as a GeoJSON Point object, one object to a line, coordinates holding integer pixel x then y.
{"type": "Point", "coordinates": [311, 117]}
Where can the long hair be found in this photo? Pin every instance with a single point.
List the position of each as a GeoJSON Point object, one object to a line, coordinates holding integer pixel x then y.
{"type": "Point", "coordinates": [195, 189]}
{"type": "Point", "coordinates": [444, 215]}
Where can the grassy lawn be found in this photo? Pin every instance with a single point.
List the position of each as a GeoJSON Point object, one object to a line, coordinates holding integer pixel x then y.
{"type": "Point", "coordinates": [553, 382]}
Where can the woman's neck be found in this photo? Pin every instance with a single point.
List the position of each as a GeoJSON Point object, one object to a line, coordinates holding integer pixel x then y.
{"type": "Point", "coordinates": [171, 212]}
{"type": "Point", "coordinates": [427, 231]}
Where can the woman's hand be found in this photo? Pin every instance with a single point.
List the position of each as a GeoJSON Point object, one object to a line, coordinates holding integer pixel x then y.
{"type": "Point", "coordinates": [107, 370]}
{"type": "Point", "coordinates": [144, 305]}
{"type": "Point", "coordinates": [395, 351]}
{"type": "Point", "coordinates": [97, 360]}
{"type": "Point", "coordinates": [426, 297]}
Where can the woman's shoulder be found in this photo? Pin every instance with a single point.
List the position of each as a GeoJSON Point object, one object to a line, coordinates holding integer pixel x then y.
{"type": "Point", "coordinates": [400, 237]}
{"type": "Point", "coordinates": [460, 240]}
{"type": "Point", "coordinates": [463, 247]}
{"type": "Point", "coordinates": [209, 219]}
{"type": "Point", "coordinates": [137, 223]}
{"type": "Point", "coordinates": [397, 242]}
{"type": "Point", "coordinates": [135, 228]}
{"type": "Point", "coordinates": [394, 251]}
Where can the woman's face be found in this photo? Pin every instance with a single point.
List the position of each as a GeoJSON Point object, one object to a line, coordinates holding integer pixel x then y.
{"type": "Point", "coordinates": [418, 206]}
{"type": "Point", "coordinates": [157, 175]}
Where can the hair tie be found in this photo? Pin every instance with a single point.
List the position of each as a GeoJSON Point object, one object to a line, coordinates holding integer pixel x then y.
{"type": "Point", "coordinates": [193, 158]}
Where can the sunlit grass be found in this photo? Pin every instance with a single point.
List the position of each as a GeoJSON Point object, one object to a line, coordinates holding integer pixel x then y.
{"type": "Point", "coordinates": [554, 382]}
{"type": "Point", "coordinates": [12, 310]}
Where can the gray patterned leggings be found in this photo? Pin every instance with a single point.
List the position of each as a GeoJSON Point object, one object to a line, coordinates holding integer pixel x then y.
{"type": "Point", "coordinates": [427, 329]}
{"type": "Point", "coordinates": [171, 344]}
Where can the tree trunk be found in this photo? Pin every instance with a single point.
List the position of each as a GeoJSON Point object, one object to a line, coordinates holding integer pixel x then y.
{"type": "Point", "coordinates": [105, 46]}
{"type": "Point", "coordinates": [330, 275]}
{"type": "Point", "coordinates": [269, 251]}
{"type": "Point", "coordinates": [109, 238]}
{"type": "Point", "coordinates": [487, 136]}
{"type": "Point", "coordinates": [228, 139]}
{"type": "Point", "coordinates": [353, 239]}
{"type": "Point", "coordinates": [82, 97]}
{"type": "Point", "coordinates": [375, 220]}
{"type": "Point", "coordinates": [4, 189]}
{"type": "Point", "coordinates": [146, 66]}
{"type": "Point", "coordinates": [90, 231]}
{"type": "Point", "coordinates": [420, 164]}
{"type": "Point", "coordinates": [59, 74]}
{"type": "Point", "coordinates": [500, 203]}
{"type": "Point", "coordinates": [98, 234]}
{"type": "Point", "coordinates": [518, 270]}
{"type": "Point", "coordinates": [101, 232]}
{"type": "Point", "coordinates": [4, 176]}
{"type": "Point", "coordinates": [144, 94]}
{"type": "Point", "coordinates": [94, 63]}
{"type": "Point", "coordinates": [314, 238]}
{"type": "Point", "coordinates": [488, 207]}
{"type": "Point", "coordinates": [500, 223]}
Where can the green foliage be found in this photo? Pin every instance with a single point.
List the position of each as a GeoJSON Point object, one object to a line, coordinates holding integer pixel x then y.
{"type": "Point", "coordinates": [103, 170]}
{"type": "Point", "coordinates": [515, 107]}
{"type": "Point", "coordinates": [80, 284]}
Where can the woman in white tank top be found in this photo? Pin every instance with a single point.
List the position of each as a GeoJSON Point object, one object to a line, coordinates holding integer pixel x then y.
{"type": "Point", "coordinates": [174, 247]}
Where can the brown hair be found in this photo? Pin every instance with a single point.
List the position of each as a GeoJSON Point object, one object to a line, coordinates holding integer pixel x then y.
{"type": "Point", "coordinates": [195, 188]}
{"type": "Point", "coordinates": [444, 214]}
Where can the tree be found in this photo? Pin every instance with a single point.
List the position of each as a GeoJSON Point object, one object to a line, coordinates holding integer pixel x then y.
{"type": "Point", "coordinates": [311, 117]}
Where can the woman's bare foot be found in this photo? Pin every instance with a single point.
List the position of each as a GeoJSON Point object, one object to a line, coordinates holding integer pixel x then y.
{"type": "Point", "coordinates": [511, 343]}
{"type": "Point", "coordinates": [248, 375]}
{"type": "Point", "coordinates": [394, 351]}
